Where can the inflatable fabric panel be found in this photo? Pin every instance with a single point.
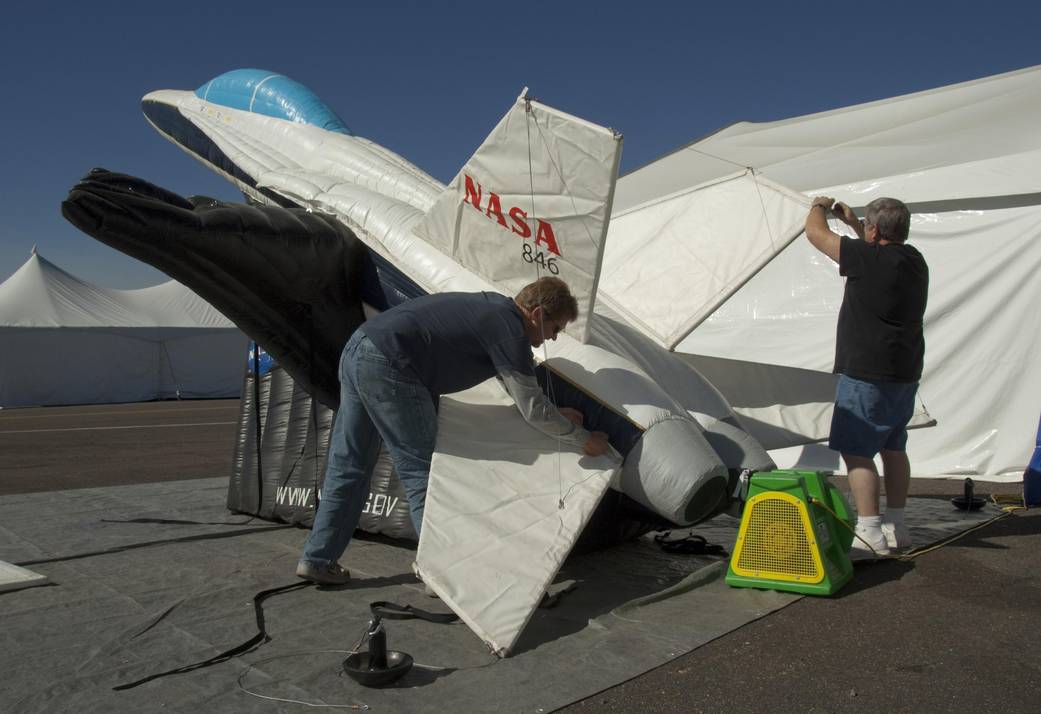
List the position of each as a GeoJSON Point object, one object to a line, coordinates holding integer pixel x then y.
{"type": "Point", "coordinates": [294, 438]}
{"type": "Point", "coordinates": [496, 531]}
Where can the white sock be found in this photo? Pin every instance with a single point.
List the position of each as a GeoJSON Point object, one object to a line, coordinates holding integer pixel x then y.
{"type": "Point", "coordinates": [894, 516]}
{"type": "Point", "coordinates": [869, 535]}
{"type": "Point", "coordinates": [869, 522]}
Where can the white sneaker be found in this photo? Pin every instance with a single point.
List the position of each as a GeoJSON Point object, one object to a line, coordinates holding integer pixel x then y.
{"type": "Point", "coordinates": [898, 537]}
{"type": "Point", "coordinates": [868, 543]}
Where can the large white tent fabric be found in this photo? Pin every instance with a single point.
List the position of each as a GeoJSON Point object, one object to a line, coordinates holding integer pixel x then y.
{"type": "Point", "coordinates": [65, 341]}
{"type": "Point", "coordinates": [674, 260]}
{"type": "Point", "coordinates": [965, 159]}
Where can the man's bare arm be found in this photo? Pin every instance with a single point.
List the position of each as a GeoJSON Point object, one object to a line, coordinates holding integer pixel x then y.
{"type": "Point", "coordinates": [821, 237]}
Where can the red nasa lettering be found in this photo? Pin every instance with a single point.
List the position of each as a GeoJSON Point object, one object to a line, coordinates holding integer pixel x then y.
{"type": "Point", "coordinates": [518, 217]}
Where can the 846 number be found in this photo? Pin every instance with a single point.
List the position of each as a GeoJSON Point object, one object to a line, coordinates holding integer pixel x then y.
{"type": "Point", "coordinates": [538, 257]}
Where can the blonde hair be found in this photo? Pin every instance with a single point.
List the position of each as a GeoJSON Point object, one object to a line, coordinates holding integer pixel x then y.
{"type": "Point", "coordinates": [553, 295]}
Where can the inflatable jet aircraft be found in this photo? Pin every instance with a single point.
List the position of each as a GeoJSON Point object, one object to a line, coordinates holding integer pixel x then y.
{"type": "Point", "coordinates": [339, 226]}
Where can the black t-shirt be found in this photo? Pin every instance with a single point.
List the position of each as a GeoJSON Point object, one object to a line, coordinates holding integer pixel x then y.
{"type": "Point", "coordinates": [453, 341]}
{"type": "Point", "coordinates": [880, 322]}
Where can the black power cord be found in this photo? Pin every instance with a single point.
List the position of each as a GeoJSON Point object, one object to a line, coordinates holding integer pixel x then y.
{"type": "Point", "coordinates": [248, 646]}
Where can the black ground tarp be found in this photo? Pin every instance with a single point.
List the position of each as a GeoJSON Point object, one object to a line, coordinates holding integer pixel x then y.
{"type": "Point", "coordinates": [150, 577]}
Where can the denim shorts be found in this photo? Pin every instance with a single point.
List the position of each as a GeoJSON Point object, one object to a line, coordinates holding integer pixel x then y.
{"type": "Point", "coordinates": [871, 416]}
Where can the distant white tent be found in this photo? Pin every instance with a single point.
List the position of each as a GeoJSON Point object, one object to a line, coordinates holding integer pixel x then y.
{"type": "Point", "coordinates": [965, 158]}
{"type": "Point", "coordinates": [65, 341]}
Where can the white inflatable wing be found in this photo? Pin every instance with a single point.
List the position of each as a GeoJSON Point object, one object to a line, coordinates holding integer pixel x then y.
{"type": "Point", "coordinates": [377, 194]}
{"type": "Point", "coordinates": [497, 529]}
{"type": "Point", "coordinates": [297, 160]}
{"type": "Point", "coordinates": [534, 200]}
{"type": "Point", "coordinates": [672, 261]}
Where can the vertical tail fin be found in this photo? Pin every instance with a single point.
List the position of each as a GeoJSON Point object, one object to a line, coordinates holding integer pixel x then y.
{"type": "Point", "coordinates": [534, 200]}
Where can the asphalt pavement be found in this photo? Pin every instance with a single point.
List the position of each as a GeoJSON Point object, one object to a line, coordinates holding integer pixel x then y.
{"type": "Point", "coordinates": [58, 448]}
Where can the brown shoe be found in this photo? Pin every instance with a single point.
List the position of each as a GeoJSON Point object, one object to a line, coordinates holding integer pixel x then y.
{"type": "Point", "coordinates": [333, 574]}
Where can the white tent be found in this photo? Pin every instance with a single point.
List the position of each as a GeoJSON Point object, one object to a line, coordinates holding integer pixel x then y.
{"type": "Point", "coordinates": [965, 158]}
{"type": "Point", "coordinates": [65, 341]}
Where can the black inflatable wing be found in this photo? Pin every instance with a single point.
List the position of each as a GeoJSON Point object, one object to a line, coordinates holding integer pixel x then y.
{"type": "Point", "coordinates": [288, 278]}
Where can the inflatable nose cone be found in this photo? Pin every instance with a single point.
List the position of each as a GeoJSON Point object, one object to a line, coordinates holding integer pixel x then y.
{"type": "Point", "coordinates": [674, 471]}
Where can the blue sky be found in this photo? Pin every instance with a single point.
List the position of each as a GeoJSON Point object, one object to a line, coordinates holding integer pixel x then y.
{"type": "Point", "coordinates": [430, 79]}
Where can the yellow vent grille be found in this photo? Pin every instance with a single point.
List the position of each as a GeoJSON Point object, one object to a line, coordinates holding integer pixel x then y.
{"type": "Point", "coordinates": [776, 541]}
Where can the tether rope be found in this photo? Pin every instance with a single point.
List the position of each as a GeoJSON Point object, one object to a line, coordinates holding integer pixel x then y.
{"type": "Point", "coordinates": [530, 115]}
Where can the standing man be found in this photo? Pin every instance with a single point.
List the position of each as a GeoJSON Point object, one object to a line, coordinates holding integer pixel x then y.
{"type": "Point", "coordinates": [392, 371]}
{"type": "Point", "coordinates": [878, 355]}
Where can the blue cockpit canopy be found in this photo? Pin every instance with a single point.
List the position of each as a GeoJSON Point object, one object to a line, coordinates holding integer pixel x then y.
{"type": "Point", "coordinates": [273, 95]}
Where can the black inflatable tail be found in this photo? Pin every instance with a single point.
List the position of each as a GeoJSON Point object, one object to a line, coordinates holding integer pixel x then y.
{"type": "Point", "coordinates": [288, 278]}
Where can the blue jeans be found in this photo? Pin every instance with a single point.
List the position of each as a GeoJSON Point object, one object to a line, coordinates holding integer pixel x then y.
{"type": "Point", "coordinates": [376, 401]}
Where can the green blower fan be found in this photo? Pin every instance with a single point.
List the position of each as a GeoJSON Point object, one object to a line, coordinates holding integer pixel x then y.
{"type": "Point", "coordinates": [796, 530]}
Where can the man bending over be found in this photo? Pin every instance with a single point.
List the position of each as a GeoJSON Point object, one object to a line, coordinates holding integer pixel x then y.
{"type": "Point", "coordinates": [392, 371]}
